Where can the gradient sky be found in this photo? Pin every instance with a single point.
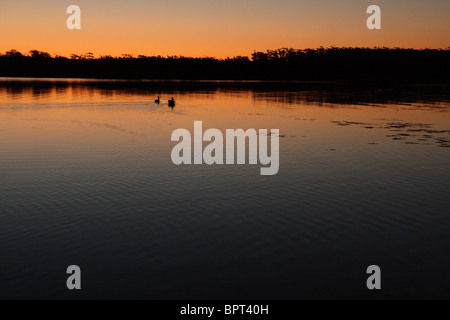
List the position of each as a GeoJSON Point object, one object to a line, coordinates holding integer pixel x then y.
{"type": "Point", "coordinates": [218, 28]}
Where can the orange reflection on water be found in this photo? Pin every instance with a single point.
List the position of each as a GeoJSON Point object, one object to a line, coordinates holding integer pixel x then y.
{"type": "Point", "coordinates": [46, 114]}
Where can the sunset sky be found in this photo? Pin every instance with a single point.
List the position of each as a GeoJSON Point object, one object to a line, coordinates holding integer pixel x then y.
{"type": "Point", "coordinates": [218, 28]}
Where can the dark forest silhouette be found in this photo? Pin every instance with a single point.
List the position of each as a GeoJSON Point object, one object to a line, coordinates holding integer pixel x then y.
{"type": "Point", "coordinates": [333, 63]}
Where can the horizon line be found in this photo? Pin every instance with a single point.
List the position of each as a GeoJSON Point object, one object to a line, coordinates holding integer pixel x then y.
{"type": "Point", "coordinates": [91, 55]}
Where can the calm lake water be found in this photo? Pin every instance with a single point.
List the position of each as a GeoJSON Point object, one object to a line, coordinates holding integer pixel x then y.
{"type": "Point", "coordinates": [87, 179]}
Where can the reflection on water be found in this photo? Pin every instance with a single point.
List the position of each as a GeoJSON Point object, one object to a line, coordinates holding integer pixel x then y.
{"type": "Point", "coordinates": [412, 133]}
{"type": "Point", "coordinates": [320, 93]}
{"type": "Point", "coordinates": [87, 179]}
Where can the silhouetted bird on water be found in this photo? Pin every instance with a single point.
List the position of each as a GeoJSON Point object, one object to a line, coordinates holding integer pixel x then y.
{"type": "Point", "coordinates": [172, 102]}
{"type": "Point", "coordinates": [157, 100]}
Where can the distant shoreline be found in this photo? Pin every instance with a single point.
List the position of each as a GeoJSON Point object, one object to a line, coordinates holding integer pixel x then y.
{"type": "Point", "coordinates": [317, 65]}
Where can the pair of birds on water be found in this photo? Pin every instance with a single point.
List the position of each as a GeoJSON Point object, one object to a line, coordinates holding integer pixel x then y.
{"type": "Point", "coordinates": [171, 102]}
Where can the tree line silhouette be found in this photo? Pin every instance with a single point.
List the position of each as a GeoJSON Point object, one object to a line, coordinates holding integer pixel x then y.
{"type": "Point", "coordinates": [332, 63]}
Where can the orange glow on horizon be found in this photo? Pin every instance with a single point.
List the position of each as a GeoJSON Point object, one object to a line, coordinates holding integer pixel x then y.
{"type": "Point", "coordinates": [220, 29]}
